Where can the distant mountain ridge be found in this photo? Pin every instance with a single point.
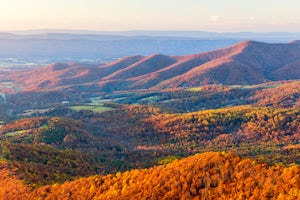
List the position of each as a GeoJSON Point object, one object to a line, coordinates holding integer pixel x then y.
{"type": "Point", "coordinates": [244, 63]}
{"type": "Point", "coordinates": [65, 47]}
{"type": "Point", "coordinates": [268, 36]}
{"type": "Point", "coordinates": [41, 47]}
{"type": "Point", "coordinates": [295, 42]}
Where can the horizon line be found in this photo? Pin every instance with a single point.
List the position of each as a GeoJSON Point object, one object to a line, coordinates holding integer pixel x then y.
{"type": "Point", "coordinates": [148, 30]}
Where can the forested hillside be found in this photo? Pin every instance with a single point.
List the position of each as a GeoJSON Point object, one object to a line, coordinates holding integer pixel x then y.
{"type": "Point", "coordinates": [203, 176]}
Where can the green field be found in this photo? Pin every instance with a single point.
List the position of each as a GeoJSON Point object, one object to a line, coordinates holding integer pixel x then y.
{"type": "Point", "coordinates": [195, 89]}
{"type": "Point", "coordinates": [98, 109]}
{"type": "Point", "coordinates": [15, 133]}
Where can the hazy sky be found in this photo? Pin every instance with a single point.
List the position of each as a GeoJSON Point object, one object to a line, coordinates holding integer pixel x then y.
{"type": "Point", "coordinates": [206, 15]}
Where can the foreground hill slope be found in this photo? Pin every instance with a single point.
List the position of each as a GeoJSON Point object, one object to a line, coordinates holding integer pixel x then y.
{"type": "Point", "coordinates": [203, 176]}
{"type": "Point", "coordinates": [241, 64]}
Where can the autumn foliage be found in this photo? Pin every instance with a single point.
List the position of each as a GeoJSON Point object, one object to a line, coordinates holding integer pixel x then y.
{"type": "Point", "coordinates": [56, 156]}
{"type": "Point", "coordinates": [203, 176]}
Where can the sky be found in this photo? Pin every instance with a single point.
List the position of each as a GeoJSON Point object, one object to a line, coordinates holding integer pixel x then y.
{"type": "Point", "coordinates": [120, 15]}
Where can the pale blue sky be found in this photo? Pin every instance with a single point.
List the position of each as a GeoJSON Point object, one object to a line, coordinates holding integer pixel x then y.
{"type": "Point", "coordinates": [205, 15]}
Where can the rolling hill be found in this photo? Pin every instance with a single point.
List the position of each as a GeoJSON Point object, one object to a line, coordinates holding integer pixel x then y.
{"type": "Point", "coordinates": [241, 64]}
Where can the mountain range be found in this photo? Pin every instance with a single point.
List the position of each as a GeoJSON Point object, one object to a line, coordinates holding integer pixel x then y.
{"type": "Point", "coordinates": [222, 124]}
{"type": "Point", "coordinates": [244, 63]}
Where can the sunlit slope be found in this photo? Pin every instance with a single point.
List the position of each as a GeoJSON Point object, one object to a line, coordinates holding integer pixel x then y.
{"type": "Point", "coordinates": [204, 176]}
{"type": "Point", "coordinates": [241, 64]}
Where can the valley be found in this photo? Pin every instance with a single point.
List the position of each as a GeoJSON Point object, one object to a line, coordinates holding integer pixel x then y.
{"type": "Point", "coordinates": [222, 124]}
